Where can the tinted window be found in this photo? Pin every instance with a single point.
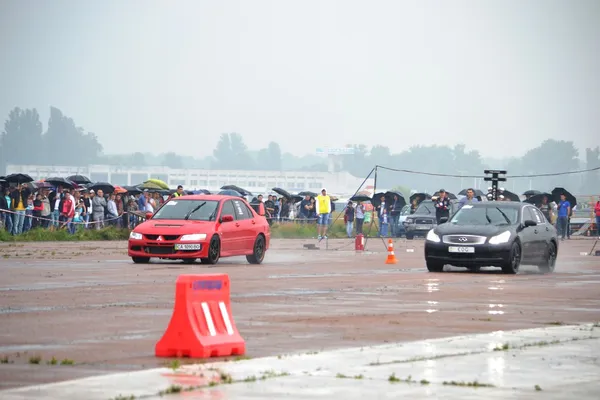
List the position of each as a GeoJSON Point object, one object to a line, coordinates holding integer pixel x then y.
{"type": "Point", "coordinates": [469, 215]}
{"type": "Point", "coordinates": [539, 217]}
{"type": "Point", "coordinates": [228, 209]}
{"type": "Point", "coordinates": [241, 210]}
{"type": "Point", "coordinates": [196, 210]}
{"type": "Point", "coordinates": [528, 214]}
{"type": "Point", "coordinates": [425, 209]}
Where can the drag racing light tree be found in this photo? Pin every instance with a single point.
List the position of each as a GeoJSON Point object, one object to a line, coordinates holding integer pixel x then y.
{"type": "Point", "coordinates": [495, 178]}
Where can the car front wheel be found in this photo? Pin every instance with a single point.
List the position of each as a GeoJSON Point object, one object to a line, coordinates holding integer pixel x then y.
{"type": "Point", "coordinates": [514, 260]}
{"type": "Point", "coordinates": [435, 266]}
{"type": "Point", "coordinates": [548, 265]}
{"type": "Point", "coordinates": [141, 260]}
{"type": "Point", "coordinates": [214, 251]}
{"type": "Point", "coordinates": [258, 251]}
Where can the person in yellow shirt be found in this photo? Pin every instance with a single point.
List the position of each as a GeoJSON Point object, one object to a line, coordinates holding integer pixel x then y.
{"type": "Point", "coordinates": [19, 205]}
{"type": "Point", "coordinates": [323, 205]}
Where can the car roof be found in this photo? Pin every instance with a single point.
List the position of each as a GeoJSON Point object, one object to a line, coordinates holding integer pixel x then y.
{"type": "Point", "coordinates": [508, 204]}
{"type": "Point", "coordinates": [213, 197]}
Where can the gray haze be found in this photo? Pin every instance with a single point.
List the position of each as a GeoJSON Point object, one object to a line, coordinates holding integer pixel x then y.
{"type": "Point", "coordinates": [157, 76]}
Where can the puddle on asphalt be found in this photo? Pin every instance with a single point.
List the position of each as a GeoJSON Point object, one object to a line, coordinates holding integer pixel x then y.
{"type": "Point", "coordinates": [30, 347]}
{"type": "Point", "coordinates": [15, 310]}
{"type": "Point", "coordinates": [336, 274]}
{"type": "Point", "coordinates": [496, 309]}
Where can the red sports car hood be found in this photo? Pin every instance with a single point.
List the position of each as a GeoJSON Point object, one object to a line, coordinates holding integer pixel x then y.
{"type": "Point", "coordinates": [175, 227]}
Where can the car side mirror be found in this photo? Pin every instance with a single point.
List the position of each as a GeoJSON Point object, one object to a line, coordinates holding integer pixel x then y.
{"type": "Point", "coordinates": [529, 223]}
{"type": "Point", "coordinates": [227, 218]}
{"type": "Point", "coordinates": [148, 215]}
{"type": "Point", "coordinates": [443, 220]}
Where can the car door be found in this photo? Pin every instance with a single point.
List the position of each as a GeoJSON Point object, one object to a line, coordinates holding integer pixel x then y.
{"type": "Point", "coordinates": [529, 235]}
{"type": "Point", "coordinates": [544, 233]}
{"type": "Point", "coordinates": [245, 219]}
{"type": "Point", "coordinates": [230, 231]}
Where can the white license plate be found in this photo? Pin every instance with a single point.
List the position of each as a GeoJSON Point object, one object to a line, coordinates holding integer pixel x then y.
{"type": "Point", "coordinates": [182, 246]}
{"type": "Point", "coordinates": [423, 227]}
{"type": "Point", "coordinates": [461, 249]}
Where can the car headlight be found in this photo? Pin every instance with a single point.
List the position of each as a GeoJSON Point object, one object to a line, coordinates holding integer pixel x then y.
{"type": "Point", "coordinates": [409, 220]}
{"type": "Point", "coordinates": [504, 237]}
{"type": "Point", "coordinates": [433, 237]}
{"type": "Point", "coordinates": [135, 236]}
{"type": "Point", "coordinates": [194, 236]}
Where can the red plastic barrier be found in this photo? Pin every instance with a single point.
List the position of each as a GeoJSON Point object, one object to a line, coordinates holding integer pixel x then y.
{"type": "Point", "coordinates": [201, 325]}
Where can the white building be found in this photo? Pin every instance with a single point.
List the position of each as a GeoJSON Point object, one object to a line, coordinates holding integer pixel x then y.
{"type": "Point", "coordinates": [339, 183]}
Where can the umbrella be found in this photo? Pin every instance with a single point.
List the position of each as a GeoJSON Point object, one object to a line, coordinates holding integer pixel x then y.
{"type": "Point", "coordinates": [510, 195]}
{"type": "Point", "coordinates": [282, 192]}
{"type": "Point", "coordinates": [296, 199]}
{"type": "Point", "coordinates": [389, 196]}
{"type": "Point", "coordinates": [307, 193]}
{"type": "Point", "coordinates": [530, 193]}
{"type": "Point", "coordinates": [230, 192]}
{"type": "Point", "coordinates": [54, 181]}
{"type": "Point", "coordinates": [18, 178]}
{"type": "Point", "coordinates": [537, 198]}
{"type": "Point", "coordinates": [333, 198]}
{"type": "Point", "coordinates": [419, 197]}
{"type": "Point", "coordinates": [201, 191]}
{"type": "Point", "coordinates": [160, 183]}
{"type": "Point", "coordinates": [360, 197]}
{"type": "Point", "coordinates": [120, 190]}
{"type": "Point", "coordinates": [132, 189]}
{"type": "Point", "coordinates": [238, 189]}
{"type": "Point", "coordinates": [151, 186]}
{"type": "Point", "coordinates": [556, 192]}
{"type": "Point", "coordinates": [104, 186]}
{"type": "Point", "coordinates": [450, 196]}
{"type": "Point", "coordinates": [79, 179]}
{"type": "Point", "coordinates": [477, 192]}
{"type": "Point", "coordinates": [376, 200]}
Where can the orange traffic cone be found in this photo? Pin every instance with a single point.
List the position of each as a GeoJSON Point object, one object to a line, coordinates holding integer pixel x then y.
{"type": "Point", "coordinates": [391, 258]}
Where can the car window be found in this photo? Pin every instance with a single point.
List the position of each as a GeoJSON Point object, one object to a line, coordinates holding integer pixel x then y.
{"type": "Point", "coordinates": [228, 209]}
{"type": "Point", "coordinates": [469, 215]}
{"type": "Point", "coordinates": [424, 209]}
{"type": "Point", "coordinates": [194, 210]}
{"type": "Point", "coordinates": [539, 217]}
{"type": "Point", "coordinates": [405, 210]}
{"type": "Point", "coordinates": [241, 210]}
{"type": "Point", "coordinates": [528, 215]}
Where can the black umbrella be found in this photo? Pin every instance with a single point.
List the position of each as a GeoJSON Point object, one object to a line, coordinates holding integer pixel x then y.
{"type": "Point", "coordinates": [389, 197]}
{"type": "Point", "coordinates": [537, 198]}
{"type": "Point", "coordinates": [104, 186]}
{"type": "Point", "coordinates": [556, 192]}
{"type": "Point", "coordinates": [376, 200]}
{"type": "Point", "coordinates": [282, 192]}
{"type": "Point", "coordinates": [18, 178]}
{"type": "Point", "coordinates": [510, 195]}
{"type": "Point", "coordinates": [230, 192]}
{"type": "Point", "coordinates": [296, 199]}
{"type": "Point", "coordinates": [451, 196]}
{"type": "Point", "coordinates": [476, 192]}
{"type": "Point", "coordinates": [133, 189]}
{"type": "Point", "coordinates": [420, 197]}
{"type": "Point", "coordinates": [200, 191]}
{"type": "Point", "coordinates": [241, 191]}
{"type": "Point", "coordinates": [530, 193]}
{"type": "Point", "coordinates": [79, 179]}
{"type": "Point", "coordinates": [307, 193]}
{"type": "Point", "coordinates": [55, 181]}
{"type": "Point", "coordinates": [360, 197]}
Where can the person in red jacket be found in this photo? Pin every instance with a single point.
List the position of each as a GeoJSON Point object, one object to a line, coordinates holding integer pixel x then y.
{"type": "Point", "coordinates": [597, 212]}
{"type": "Point", "coordinates": [66, 208]}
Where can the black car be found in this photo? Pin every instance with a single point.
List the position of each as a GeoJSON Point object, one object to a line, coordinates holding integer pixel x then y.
{"type": "Point", "coordinates": [495, 234]}
{"type": "Point", "coordinates": [423, 219]}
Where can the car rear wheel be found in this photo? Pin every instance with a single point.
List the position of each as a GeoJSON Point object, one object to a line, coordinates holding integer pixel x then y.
{"type": "Point", "coordinates": [214, 251]}
{"type": "Point", "coordinates": [141, 260]}
{"type": "Point", "coordinates": [258, 252]}
{"type": "Point", "coordinates": [514, 260]}
{"type": "Point", "coordinates": [434, 266]}
{"type": "Point", "coordinates": [548, 265]}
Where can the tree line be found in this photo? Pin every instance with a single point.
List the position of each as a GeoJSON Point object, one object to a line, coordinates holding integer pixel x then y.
{"type": "Point", "coordinates": [23, 141]}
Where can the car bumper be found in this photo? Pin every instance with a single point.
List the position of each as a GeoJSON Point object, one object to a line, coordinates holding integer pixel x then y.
{"type": "Point", "coordinates": [144, 248]}
{"type": "Point", "coordinates": [485, 255]}
{"type": "Point", "coordinates": [418, 229]}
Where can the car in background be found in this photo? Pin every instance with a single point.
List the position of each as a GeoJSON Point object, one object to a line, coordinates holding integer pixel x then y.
{"type": "Point", "coordinates": [424, 219]}
{"type": "Point", "coordinates": [404, 213]}
{"type": "Point", "coordinates": [493, 234]}
{"type": "Point", "coordinates": [583, 218]}
{"type": "Point", "coordinates": [205, 227]}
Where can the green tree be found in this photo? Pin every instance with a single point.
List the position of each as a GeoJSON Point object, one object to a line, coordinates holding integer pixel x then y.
{"type": "Point", "coordinates": [591, 181]}
{"type": "Point", "coordinates": [21, 140]}
{"type": "Point", "coordinates": [138, 159]}
{"type": "Point", "coordinates": [172, 160]}
{"type": "Point", "coordinates": [232, 153]}
{"type": "Point", "coordinates": [551, 156]}
{"type": "Point", "coordinates": [269, 158]}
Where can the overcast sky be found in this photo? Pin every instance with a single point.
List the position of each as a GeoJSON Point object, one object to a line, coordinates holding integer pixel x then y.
{"type": "Point", "coordinates": [499, 76]}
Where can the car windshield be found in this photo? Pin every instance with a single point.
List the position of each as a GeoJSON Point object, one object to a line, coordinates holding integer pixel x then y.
{"type": "Point", "coordinates": [194, 210]}
{"type": "Point", "coordinates": [425, 208]}
{"type": "Point", "coordinates": [405, 210]}
{"type": "Point", "coordinates": [469, 215]}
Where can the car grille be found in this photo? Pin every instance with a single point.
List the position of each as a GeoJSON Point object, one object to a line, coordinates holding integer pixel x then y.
{"type": "Point", "coordinates": [464, 239]}
{"type": "Point", "coordinates": [424, 221]}
{"type": "Point", "coordinates": [165, 237]}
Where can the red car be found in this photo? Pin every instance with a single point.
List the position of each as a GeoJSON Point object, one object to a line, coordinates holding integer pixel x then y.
{"type": "Point", "coordinates": [201, 226]}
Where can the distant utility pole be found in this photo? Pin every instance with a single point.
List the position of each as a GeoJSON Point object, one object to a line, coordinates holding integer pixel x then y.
{"type": "Point", "coordinates": [494, 179]}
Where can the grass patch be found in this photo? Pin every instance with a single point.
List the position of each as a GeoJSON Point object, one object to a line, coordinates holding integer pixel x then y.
{"type": "Point", "coordinates": [504, 347]}
{"type": "Point", "coordinates": [67, 361]}
{"type": "Point", "coordinates": [121, 397]}
{"type": "Point", "coordinates": [555, 323]}
{"type": "Point", "coordinates": [341, 376]}
{"type": "Point", "coordinates": [52, 361]}
{"type": "Point", "coordinates": [35, 359]}
{"type": "Point", "coordinates": [4, 360]}
{"type": "Point", "coordinates": [174, 365]}
{"type": "Point", "coordinates": [171, 390]}
{"type": "Point", "coordinates": [293, 230]}
{"type": "Point", "coordinates": [394, 379]}
{"type": "Point", "coordinates": [467, 384]}
{"type": "Point", "coordinates": [47, 235]}
{"type": "Point", "coordinates": [537, 388]}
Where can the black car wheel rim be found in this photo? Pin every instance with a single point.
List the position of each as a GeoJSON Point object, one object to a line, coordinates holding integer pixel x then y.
{"type": "Point", "coordinates": [516, 257]}
{"type": "Point", "coordinates": [214, 249]}
{"type": "Point", "coordinates": [259, 249]}
{"type": "Point", "coordinates": [551, 256]}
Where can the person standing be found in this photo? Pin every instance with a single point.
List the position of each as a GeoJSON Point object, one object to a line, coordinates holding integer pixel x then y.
{"type": "Point", "coordinates": [323, 209]}
{"type": "Point", "coordinates": [383, 218]}
{"type": "Point", "coordinates": [546, 209]}
{"type": "Point", "coordinates": [395, 210]}
{"type": "Point", "coordinates": [469, 199]}
{"type": "Point", "coordinates": [19, 198]}
{"type": "Point", "coordinates": [349, 218]}
{"type": "Point", "coordinates": [597, 213]}
{"type": "Point", "coordinates": [564, 209]}
{"type": "Point", "coordinates": [360, 217]}
{"type": "Point", "coordinates": [98, 208]}
{"type": "Point", "coordinates": [442, 206]}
